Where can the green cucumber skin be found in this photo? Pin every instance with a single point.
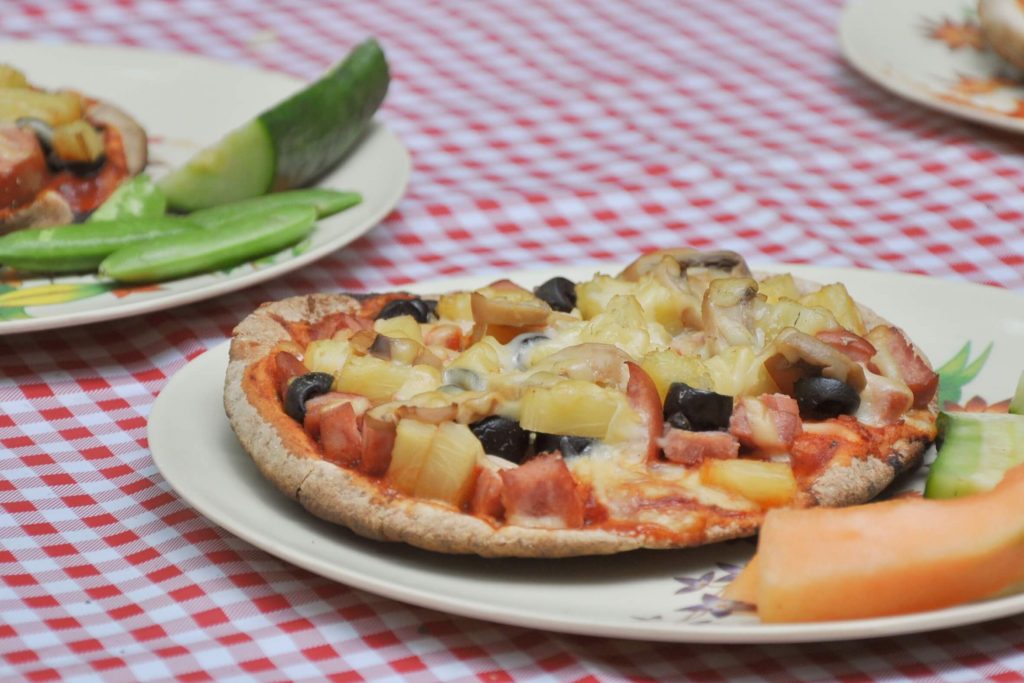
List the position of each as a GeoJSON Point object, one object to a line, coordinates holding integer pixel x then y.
{"type": "Point", "coordinates": [137, 197]}
{"type": "Point", "coordinates": [976, 450]}
{"type": "Point", "coordinates": [325, 202]}
{"type": "Point", "coordinates": [81, 248]}
{"type": "Point", "coordinates": [238, 166]}
{"type": "Point", "coordinates": [291, 144]}
{"type": "Point", "coordinates": [202, 250]}
{"type": "Point", "coordinates": [312, 130]}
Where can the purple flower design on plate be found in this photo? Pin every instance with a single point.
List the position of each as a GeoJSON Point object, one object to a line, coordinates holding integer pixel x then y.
{"type": "Point", "coordinates": [705, 588]}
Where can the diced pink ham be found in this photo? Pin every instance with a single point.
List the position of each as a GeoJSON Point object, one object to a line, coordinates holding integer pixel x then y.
{"type": "Point", "coordinates": [693, 448]}
{"type": "Point", "coordinates": [542, 493]}
{"type": "Point", "coordinates": [316, 406]}
{"type": "Point", "coordinates": [896, 356]}
{"type": "Point", "coordinates": [644, 399]}
{"type": "Point", "coordinates": [486, 498]}
{"type": "Point", "coordinates": [853, 345]}
{"type": "Point", "coordinates": [340, 435]}
{"type": "Point", "coordinates": [767, 423]}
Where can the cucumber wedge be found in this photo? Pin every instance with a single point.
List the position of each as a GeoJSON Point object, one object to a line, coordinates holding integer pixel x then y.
{"type": "Point", "coordinates": [240, 165]}
{"type": "Point", "coordinates": [976, 451]}
{"type": "Point", "coordinates": [291, 144]}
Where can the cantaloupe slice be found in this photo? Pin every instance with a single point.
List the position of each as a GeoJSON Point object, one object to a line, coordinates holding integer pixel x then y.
{"type": "Point", "coordinates": [894, 557]}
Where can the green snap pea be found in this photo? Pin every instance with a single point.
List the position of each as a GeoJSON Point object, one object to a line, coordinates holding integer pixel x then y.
{"type": "Point", "coordinates": [81, 248]}
{"type": "Point", "coordinates": [326, 202]}
{"type": "Point", "coordinates": [199, 251]}
{"type": "Point", "coordinates": [138, 197]}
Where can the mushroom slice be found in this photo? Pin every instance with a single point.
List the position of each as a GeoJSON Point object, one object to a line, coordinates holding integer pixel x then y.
{"type": "Point", "coordinates": [434, 415]}
{"type": "Point", "coordinates": [728, 313]}
{"type": "Point", "coordinates": [1002, 27]}
{"type": "Point", "coordinates": [801, 355]}
{"type": "Point", "coordinates": [723, 262]}
{"type": "Point", "coordinates": [602, 364]}
{"type": "Point", "coordinates": [133, 136]}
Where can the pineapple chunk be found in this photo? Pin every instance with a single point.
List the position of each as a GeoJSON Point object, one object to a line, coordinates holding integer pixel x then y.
{"type": "Point", "coordinates": [53, 108]}
{"type": "Point", "coordinates": [412, 443]}
{"type": "Point", "coordinates": [776, 287]}
{"type": "Point", "coordinates": [506, 289]}
{"type": "Point", "coordinates": [327, 355]}
{"type": "Point", "coordinates": [376, 379]}
{"type": "Point", "coordinates": [626, 425]}
{"type": "Point", "coordinates": [451, 463]}
{"type": "Point", "coordinates": [738, 371]}
{"type": "Point", "coordinates": [482, 357]}
{"type": "Point", "coordinates": [11, 77]}
{"type": "Point", "coordinates": [667, 366]}
{"type": "Point", "coordinates": [665, 305]}
{"type": "Point", "coordinates": [510, 311]}
{"type": "Point", "coordinates": [837, 300]}
{"type": "Point", "coordinates": [455, 306]}
{"type": "Point", "coordinates": [421, 379]}
{"type": "Point", "coordinates": [766, 483]}
{"type": "Point", "coordinates": [399, 327]}
{"type": "Point", "coordinates": [622, 323]}
{"type": "Point", "coordinates": [571, 407]}
{"type": "Point", "coordinates": [592, 297]}
{"type": "Point", "coordinates": [786, 312]}
{"type": "Point", "coordinates": [398, 349]}
{"type": "Point", "coordinates": [77, 142]}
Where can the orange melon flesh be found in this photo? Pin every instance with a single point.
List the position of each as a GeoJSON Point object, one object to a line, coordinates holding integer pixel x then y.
{"type": "Point", "coordinates": [895, 557]}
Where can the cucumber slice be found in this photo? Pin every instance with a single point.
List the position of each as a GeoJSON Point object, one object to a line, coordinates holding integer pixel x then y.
{"type": "Point", "coordinates": [977, 449]}
{"type": "Point", "coordinates": [291, 144]}
{"type": "Point", "coordinates": [240, 165]}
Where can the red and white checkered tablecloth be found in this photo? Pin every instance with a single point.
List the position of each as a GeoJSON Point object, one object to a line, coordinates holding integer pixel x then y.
{"type": "Point", "coordinates": [542, 132]}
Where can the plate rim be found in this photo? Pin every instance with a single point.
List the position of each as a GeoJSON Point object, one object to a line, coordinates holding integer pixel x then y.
{"type": "Point", "coordinates": [667, 632]}
{"type": "Point", "coordinates": [402, 173]}
{"type": "Point", "coordinates": [866, 68]}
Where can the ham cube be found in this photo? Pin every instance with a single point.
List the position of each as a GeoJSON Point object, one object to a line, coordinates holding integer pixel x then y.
{"type": "Point", "coordinates": [542, 493]}
{"type": "Point", "coordinates": [766, 423]}
{"type": "Point", "coordinates": [693, 448]}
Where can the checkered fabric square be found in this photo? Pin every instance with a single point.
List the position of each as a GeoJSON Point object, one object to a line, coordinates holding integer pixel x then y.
{"type": "Point", "coordinates": [543, 132]}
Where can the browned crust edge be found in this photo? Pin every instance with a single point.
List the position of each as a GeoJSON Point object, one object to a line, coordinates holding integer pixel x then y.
{"type": "Point", "coordinates": [285, 456]}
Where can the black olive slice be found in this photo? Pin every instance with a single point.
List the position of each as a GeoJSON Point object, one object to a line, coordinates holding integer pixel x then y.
{"type": "Point", "coordinates": [679, 421]}
{"type": "Point", "coordinates": [502, 437]}
{"type": "Point", "coordinates": [303, 388]}
{"type": "Point", "coordinates": [559, 293]}
{"type": "Point", "coordinates": [419, 309]}
{"type": "Point", "coordinates": [568, 446]}
{"type": "Point", "coordinates": [704, 410]}
{"type": "Point", "coordinates": [820, 398]}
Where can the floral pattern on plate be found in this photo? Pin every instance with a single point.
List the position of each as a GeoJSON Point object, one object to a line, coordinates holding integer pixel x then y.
{"type": "Point", "coordinates": [986, 82]}
{"type": "Point", "coordinates": [932, 52]}
{"type": "Point", "coordinates": [697, 596]}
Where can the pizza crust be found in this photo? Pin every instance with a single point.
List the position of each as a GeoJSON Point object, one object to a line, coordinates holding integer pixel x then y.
{"type": "Point", "coordinates": [287, 457]}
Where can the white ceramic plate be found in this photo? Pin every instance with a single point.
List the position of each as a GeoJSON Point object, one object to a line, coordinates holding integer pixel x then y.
{"type": "Point", "coordinates": [185, 103]}
{"type": "Point", "coordinates": [654, 595]}
{"type": "Point", "coordinates": [930, 51]}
